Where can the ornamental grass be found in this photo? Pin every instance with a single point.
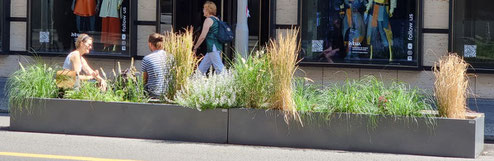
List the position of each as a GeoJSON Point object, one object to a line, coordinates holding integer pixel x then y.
{"type": "Point", "coordinates": [366, 96]}
{"type": "Point", "coordinates": [34, 81]}
{"type": "Point", "coordinates": [253, 80]}
{"type": "Point", "coordinates": [283, 54]}
{"type": "Point", "coordinates": [451, 86]}
{"type": "Point", "coordinates": [180, 46]}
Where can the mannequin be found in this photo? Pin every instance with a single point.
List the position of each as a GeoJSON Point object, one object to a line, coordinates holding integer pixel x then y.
{"type": "Point", "coordinates": [110, 26]}
{"type": "Point", "coordinates": [85, 11]}
{"type": "Point", "coordinates": [378, 24]}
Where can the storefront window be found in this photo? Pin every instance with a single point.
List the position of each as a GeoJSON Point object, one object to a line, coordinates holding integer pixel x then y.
{"type": "Point", "coordinates": [359, 32]}
{"type": "Point", "coordinates": [55, 24]}
{"type": "Point", "coordinates": [1, 24]}
{"type": "Point", "coordinates": [473, 32]}
{"type": "Point", "coordinates": [166, 12]}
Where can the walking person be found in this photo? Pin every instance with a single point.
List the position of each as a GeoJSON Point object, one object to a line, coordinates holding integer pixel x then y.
{"type": "Point", "coordinates": [214, 47]}
{"type": "Point", "coordinates": [156, 67]}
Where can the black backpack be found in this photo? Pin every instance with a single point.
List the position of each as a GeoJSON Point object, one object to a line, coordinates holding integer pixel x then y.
{"type": "Point", "coordinates": [225, 33]}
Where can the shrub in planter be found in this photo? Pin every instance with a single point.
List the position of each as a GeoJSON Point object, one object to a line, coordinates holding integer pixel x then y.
{"type": "Point", "coordinates": [34, 81]}
{"type": "Point", "coordinates": [128, 84]}
{"type": "Point", "coordinates": [203, 92]}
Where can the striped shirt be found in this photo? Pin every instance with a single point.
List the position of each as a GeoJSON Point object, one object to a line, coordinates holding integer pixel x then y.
{"type": "Point", "coordinates": [157, 65]}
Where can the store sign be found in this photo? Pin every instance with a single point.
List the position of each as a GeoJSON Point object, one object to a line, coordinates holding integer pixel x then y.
{"type": "Point", "coordinates": [359, 31]}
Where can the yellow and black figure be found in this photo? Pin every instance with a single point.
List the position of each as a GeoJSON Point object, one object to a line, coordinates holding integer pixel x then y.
{"type": "Point", "coordinates": [353, 26]}
{"type": "Point", "coordinates": [378, 26]}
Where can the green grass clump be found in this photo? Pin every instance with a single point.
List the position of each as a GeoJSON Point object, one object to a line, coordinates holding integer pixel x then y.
{"type": "Point", "coordinates": [253, 79]}
{"type": "Point", "coordinates": [89, 90]}
{"type": "Point", "coordinates": [203, 92]}
{"type": "Point", "coordinates": [366, 96]}
{"type": "Point", "coordinates": [307, 97]}
{"type": "Point", "coordinates": [34, 81]}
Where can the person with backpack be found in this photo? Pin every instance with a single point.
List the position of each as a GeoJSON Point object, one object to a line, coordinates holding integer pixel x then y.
{"type": "Point", "coordinates": [210, 31]}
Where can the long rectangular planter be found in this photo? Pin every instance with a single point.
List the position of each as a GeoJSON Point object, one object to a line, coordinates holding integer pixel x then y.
{"type": "Point", "coordinates": [449, 137]}
{"type": "Point", "coordinates": [133, 120]}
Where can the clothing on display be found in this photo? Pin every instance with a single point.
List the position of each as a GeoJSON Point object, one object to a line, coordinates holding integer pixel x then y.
{"type": "Point", "coordinates": [110, 26]}
{"type": "Point", "coordinates": [85, 11]}
{"type": "Point", "coordinates": [110, 31]}
{"type": "Point", "coordinates": [353, 26]}
{"type": "Point", "coordinates": [110, 8]}
{"type": "Point", "coordinates": [379, 27]}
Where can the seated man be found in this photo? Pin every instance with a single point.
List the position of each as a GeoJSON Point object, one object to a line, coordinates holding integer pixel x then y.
{"type": "Point", "coordinates": [156, 68]}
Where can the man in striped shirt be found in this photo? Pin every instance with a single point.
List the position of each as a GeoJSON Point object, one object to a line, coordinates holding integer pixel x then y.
{"type": "Point", "coordinates": [156, 68]}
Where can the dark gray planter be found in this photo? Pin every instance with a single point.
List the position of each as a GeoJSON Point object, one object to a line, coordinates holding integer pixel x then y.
{"type": "Point", "coordinates": [133, 120]}
{"type": "Point", "coordinates": [449, 137]}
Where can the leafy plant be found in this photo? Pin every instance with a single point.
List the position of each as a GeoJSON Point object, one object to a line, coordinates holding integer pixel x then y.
{"type": "Point", "coordinates": [215, 91]}
{"type": "Point", "coordinates": [89, 90]}
{"type": "Point", "coordinates": [130, 83]}
{"type": "Point", "coordinates": [34, 81]}
{"type": "Point", "coordinates": [254, 81]}
{"type": "Point", "coordinates": [180, 46]}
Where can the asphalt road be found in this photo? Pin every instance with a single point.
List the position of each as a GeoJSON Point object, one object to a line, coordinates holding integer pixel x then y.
{"type": "Point", "coordinates": [23, 146]}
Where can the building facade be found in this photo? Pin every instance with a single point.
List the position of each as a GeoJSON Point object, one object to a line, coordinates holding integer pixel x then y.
{"type": "Point", "coordinates": [394, 40]}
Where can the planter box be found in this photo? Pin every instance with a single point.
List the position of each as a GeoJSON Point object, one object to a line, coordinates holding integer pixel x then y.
{"type": "Point", "coordinates": [133, 120]}
{"type": "Point", "coordinates": [449, 137]}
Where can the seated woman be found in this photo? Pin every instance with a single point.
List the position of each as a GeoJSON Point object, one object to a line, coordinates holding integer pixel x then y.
{"type": "Point", "coordinates": [156, 67]}
{"type": "Point", "coordinates": [75, 62]}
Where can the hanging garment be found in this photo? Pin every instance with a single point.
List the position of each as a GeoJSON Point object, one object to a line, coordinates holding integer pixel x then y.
{"type": "Point", "coordinates": [110, 8]}
{"type": "Point", "coordinates": [110, 26]}
{"type": "Point", "coordinates": [110, 32]}
{"type": "Point", "coordinates": [85, 8]}
{"type": "Point", "coordinates": [379, 27]}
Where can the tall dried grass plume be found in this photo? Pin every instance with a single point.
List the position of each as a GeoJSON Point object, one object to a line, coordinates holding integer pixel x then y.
{"type": "Point", "coordinates": [180, 46]}
{"type": "Point", "coordinates": [451, 86]}
{"type": "Point", "coordinates": [283, 54]}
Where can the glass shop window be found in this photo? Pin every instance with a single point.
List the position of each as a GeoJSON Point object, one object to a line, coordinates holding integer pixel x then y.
{"type": "Point", "coordinates": [359, 32]}
{"type": "Point", "coordinates": [166, 15]}
{"type": "Point", "coordinates": [55, 25]}
{"type": "Point", "coordinates": [473, 32]}
{"type": "Point", "coordinates": [1, 24]}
